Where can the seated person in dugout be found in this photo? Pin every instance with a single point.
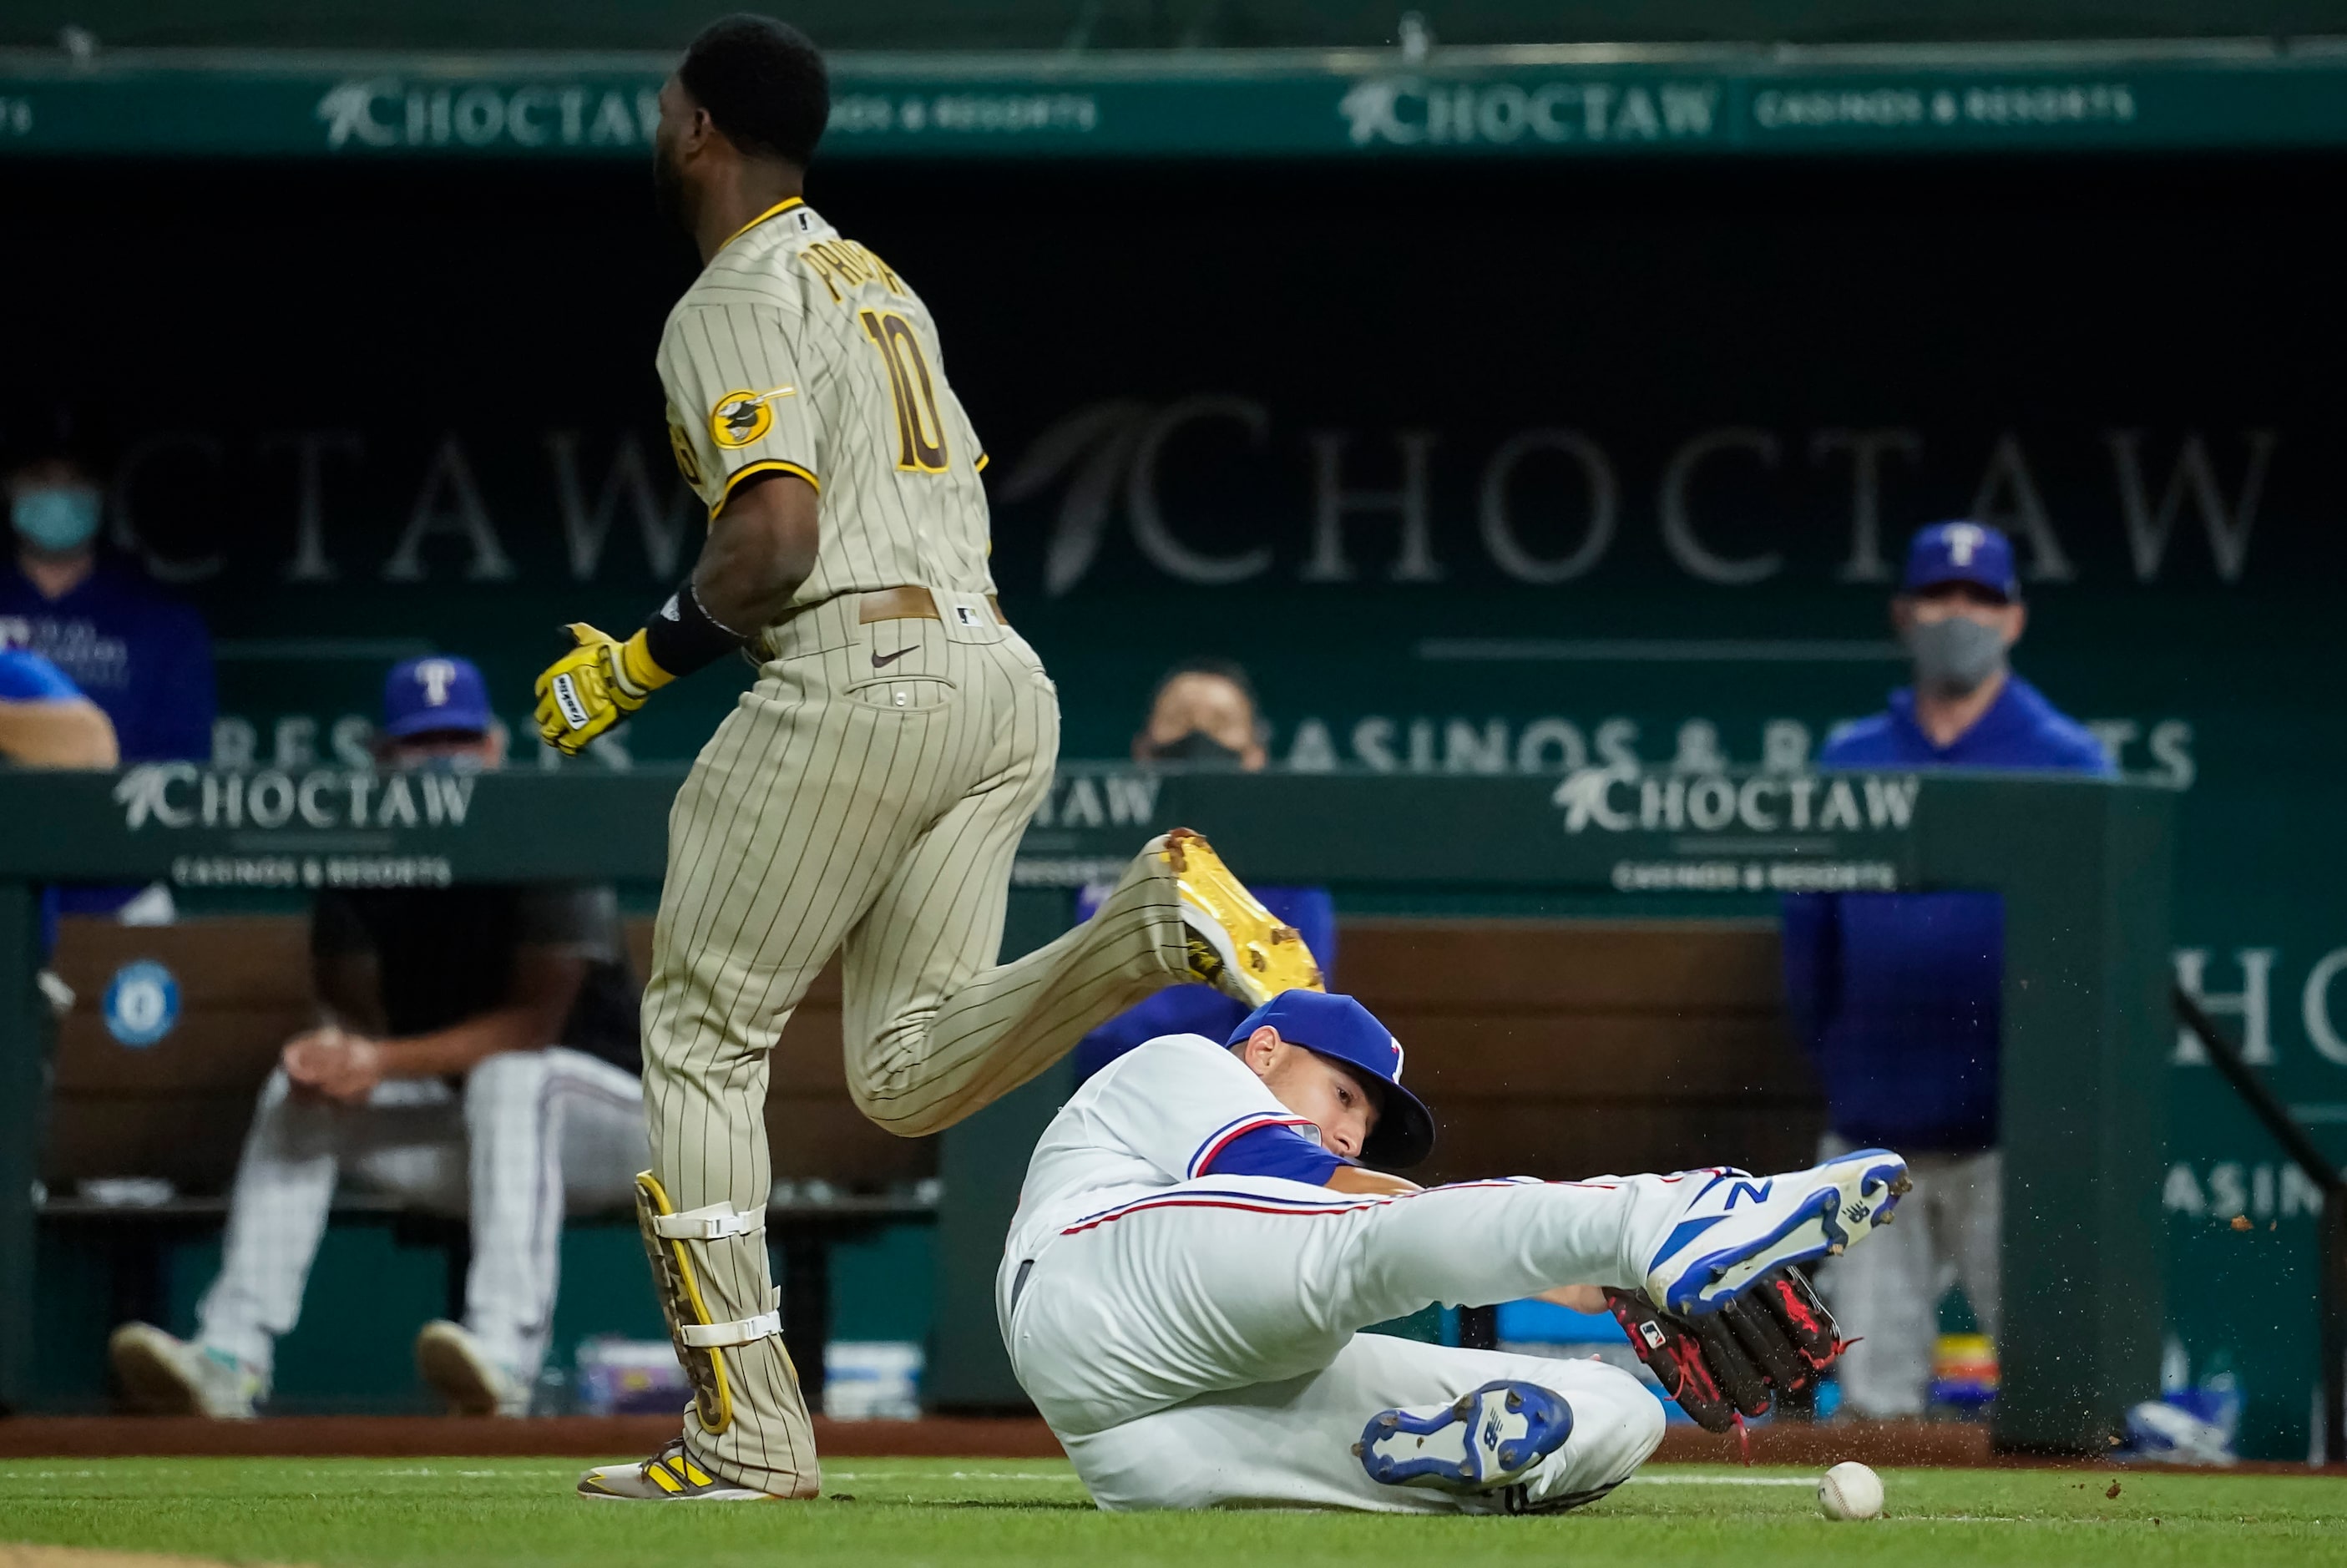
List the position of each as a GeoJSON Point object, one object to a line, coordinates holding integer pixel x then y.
{"type": "Point", "coordinates": [476, 1055]}
{"type": "Point", "coordinates": [1197, 1248]}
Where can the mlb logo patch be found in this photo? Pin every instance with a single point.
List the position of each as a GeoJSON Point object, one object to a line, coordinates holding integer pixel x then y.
{"type": "Point", "coordinates": [965, 614]}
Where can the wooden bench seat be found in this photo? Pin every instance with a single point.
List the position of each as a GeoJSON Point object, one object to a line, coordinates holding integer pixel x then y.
{"type": "Point", "coordinates": [178, 1109]}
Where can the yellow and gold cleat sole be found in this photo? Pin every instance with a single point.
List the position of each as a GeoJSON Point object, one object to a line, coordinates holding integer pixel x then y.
{"type": "Point", "coordinates": [1236, 945]}
{"type": "Point", "coordinates": [671, 1475]}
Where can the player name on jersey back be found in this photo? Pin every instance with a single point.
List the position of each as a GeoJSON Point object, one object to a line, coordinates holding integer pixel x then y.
{"type": "Point", "coordinates": [799, 352]}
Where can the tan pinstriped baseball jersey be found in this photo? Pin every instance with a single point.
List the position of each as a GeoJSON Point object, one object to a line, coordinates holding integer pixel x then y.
{"type": "Point", "coordinates": [864, 798]}
{"type": "Point", "coordinates": [800, 350]}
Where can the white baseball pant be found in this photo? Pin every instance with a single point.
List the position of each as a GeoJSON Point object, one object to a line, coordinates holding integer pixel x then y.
{"type": "Point", "coordinates": [1200, 1347]}
{"type": "Point", "coordinates": [1886, 1294]}
{"type": "Point", "coordinates": [531, 1135]}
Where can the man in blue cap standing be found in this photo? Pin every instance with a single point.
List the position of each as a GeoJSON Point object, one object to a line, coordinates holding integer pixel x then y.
{"type": "Point", "coordinates": [1897, 994]}
{"type": "Point", "coordinates": [475, 1054]}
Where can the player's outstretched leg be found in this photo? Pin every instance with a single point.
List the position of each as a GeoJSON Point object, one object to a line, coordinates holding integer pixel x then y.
{"type": "Point", "coordinates": [934, 1033]}
{"type": "Point", "coordinates": [1737, 1227]}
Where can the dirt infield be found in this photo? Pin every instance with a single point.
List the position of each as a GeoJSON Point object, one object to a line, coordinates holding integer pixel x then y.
{"type": "Point", "coordinates": [1883, 1444]}
{"type": "Point", "coordinates": [481, 1437]}
{"type": "Point", "coordinates": [17, 1554]}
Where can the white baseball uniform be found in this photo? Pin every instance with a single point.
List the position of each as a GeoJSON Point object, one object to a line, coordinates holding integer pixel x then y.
{"type": "Point", "coordinates": [1190, 1327]}
{"type": "Point", "coordinates": [529, 1135]}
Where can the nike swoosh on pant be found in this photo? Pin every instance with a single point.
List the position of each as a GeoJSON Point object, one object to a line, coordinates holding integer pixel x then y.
{"type": "Point", "coordinates": [882, 660]}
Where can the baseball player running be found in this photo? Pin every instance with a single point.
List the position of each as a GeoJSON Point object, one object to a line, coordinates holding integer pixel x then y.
{"type": "Point", "coordinates": [867, 794]}
{"type": "Point", "coordinates": [1195, 1253]}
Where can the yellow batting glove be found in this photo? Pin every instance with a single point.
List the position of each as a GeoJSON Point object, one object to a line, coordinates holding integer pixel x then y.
{"type": "Point", "coordinates": [593, 687]}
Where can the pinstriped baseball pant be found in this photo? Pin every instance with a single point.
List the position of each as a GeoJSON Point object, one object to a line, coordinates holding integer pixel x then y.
{"type": "Point", "coordinates": [867, 794]}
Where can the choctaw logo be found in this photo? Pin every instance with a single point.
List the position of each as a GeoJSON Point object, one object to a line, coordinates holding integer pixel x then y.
{"type": "Point", "coordinates": [740, 417]}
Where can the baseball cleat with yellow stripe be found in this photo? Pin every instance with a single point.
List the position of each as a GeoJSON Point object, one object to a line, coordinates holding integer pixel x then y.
{"type": "Point", "coordinates": [671, 1475]}
{"type": "Point", "coordinates": [1236, 945]}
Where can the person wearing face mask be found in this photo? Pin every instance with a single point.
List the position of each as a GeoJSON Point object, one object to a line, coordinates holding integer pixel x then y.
{"type": "Point", "coordinates": [140, 655]}
{"type": "Point", "coordinates": [475, 1054]}
{"type": "Point", "coordinates": [1202, 715]}
{"type": "Point", "coordinates": [1897, 996]}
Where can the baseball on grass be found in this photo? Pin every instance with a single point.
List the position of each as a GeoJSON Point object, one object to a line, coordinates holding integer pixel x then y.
{"type": "Point", "coordinates": [1850, 1490]}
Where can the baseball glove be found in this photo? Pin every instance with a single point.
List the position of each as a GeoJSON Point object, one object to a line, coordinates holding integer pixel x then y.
{"type": "Point", "coordinates": [1775, 1339]}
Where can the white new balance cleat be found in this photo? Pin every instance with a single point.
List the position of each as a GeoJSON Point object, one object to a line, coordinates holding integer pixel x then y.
{"type": "Point", "coordinates": [169, 1376]}
{"type": "Point", "coordinates": [1486, 1439]}
{"type": "Point", "coordinates": [1739, 1226]}
{"type": "Point", "coordinates": [671, 1475]}
{"type": "Point", "coordinates": [464, 1373]}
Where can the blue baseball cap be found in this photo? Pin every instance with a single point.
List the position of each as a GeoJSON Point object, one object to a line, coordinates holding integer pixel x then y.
{"type": "Point", "coordinates": [439, 691]}
{"type": "Point", "coordinates": [1960, 552]}
{"type": "Point", "coordinates": [1341, 1028]}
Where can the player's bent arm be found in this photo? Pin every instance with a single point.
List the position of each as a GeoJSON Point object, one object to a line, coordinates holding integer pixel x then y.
{"type": "Point", "coordinates": [761, 548]}
{"type": "Point", "coordinates": [1369, 1183]}
{"type": "Point", "coordinates": [546, 984]}
{"type": "Point", "coordinates": [761, 545]}
{"type": "Point", "coordinates": [1575, 1298]}
{"type": "Point", "coordinates": [64, 733]}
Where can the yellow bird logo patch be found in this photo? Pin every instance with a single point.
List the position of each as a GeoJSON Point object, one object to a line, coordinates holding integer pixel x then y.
{"type": "Point", "coordinates": [740, 417]}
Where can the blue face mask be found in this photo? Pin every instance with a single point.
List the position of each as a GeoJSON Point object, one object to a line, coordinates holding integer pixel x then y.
{"type": "Point", "coordinates": [56, 518]}
{"type": "Point", "coordinates": [447, 762]}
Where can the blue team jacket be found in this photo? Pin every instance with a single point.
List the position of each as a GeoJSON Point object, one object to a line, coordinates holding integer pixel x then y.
{"type": "Point", "coordinates": [136, 651]}
{"type": "Point", "coordinates": [27, 677]}
{"type": "Point", "coordinates": [130, 648]}
{"type": "Point", "coordinates": [1897, 996]}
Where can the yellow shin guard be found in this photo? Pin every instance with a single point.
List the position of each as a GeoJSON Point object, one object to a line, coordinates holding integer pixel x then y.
{"type": "Point", "coordinates": [700, 1342]}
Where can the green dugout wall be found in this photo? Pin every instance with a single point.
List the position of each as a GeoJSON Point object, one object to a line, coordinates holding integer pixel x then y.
{"type": "Point", "coordinates": [2084, 868]}
{"type": "Point", "coordinates": [1491, 461]}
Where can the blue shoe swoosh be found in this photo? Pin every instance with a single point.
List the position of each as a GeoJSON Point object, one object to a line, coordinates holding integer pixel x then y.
{"type": "Point", "coordinates": [1682, 1233]}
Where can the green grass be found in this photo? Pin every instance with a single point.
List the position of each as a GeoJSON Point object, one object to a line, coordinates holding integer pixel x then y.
{"type": "Point", "coordinates": [886, 1511]}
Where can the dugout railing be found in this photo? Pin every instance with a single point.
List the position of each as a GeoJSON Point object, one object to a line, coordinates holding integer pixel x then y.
{"type": "Point", "coordinates": [2083, 867]}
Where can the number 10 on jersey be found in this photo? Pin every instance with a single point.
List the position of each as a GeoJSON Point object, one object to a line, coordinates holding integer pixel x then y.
{"type": "Point", "coordinates": [920, 433]}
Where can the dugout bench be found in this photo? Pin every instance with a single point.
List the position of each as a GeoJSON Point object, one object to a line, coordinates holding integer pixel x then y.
{"type": "Point", "coordinates": [2083, 865]}
{"type": "Point", "coordinates": [176, 1110]}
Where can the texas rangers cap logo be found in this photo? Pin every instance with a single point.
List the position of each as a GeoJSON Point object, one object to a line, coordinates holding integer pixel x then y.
{"type": "Point", "coordinates": [436, 676]}
{"type": "Point", "coordinates": [740, 417]}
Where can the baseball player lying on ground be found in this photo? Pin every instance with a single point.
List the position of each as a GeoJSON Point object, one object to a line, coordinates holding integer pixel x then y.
{"type": "Point", "coordinates": [1195, 1255]}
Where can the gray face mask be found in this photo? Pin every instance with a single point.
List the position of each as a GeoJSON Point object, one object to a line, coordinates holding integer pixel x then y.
{"type": "Point", "coordinates": [1955, 655]}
